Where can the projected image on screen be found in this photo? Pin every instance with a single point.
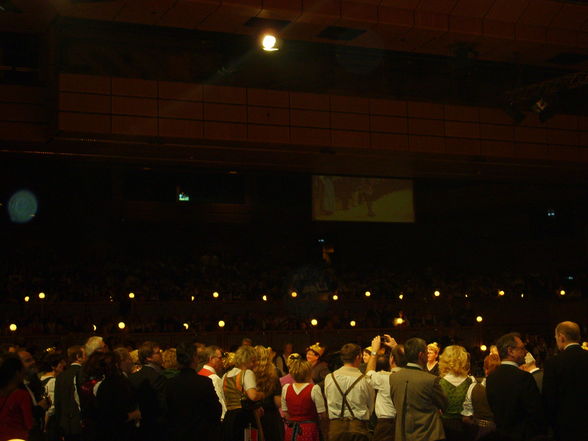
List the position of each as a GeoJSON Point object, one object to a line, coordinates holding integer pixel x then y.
{"type": "Point", "coordinates": [340, 198]}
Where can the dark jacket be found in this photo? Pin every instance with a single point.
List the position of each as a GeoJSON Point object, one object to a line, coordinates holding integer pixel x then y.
{"type": "Point", "coordinates": [67, 411]}
{"type": "Point", "coordinates": [149, 385]}
{"type": "Point", "coordinates": [193, 409]}
{"type": "Point", "coordinates": [516, 403]}
{"type": "Point", "coordinates": [114, 401]}
{"type": "Point", "coordinates": [565, 393]}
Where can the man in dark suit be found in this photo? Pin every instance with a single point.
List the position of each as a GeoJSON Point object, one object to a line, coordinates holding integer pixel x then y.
{"type": "Point", "coordinates": [513, 394]}
{"type": "Point", "coordinates": [67, 409]}
{"type": "Point", "coordinates": [417, 397]}
{"type": "Point", "coordinates": [149, 384]}
{"type": "Point", "coordinates": [193, 408]}
{"type": "Point", "coordinates": [565, 389]}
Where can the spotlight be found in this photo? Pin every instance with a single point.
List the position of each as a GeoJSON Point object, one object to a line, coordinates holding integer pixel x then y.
{"type": "Point", "coordinates": [466, 296]}
{"type": "Point", "coordinates": [121, 325]}
{"type": "Point", "coordinates": [294, 294]}
{"type": "Point", "coordinates": [401, 296]}
{"type": "Point", "coordinates": [314, 322]}
{"type": "Point", "coordinates": [483, 348]}
{"type": "Point", "coordinates": [192, 298]}
{"type": "Point", "coordinates": [186, 326]}
{"type": "Point", "coordinates": [562, 293]}
{"type": "Point", "coordinates": [41, 295]}
{"type": "Point", "coordinates": [269, 43]}
{"type": "Point", "coordinates": [335, 297]}
{"type": "Point", "coordinates": [221, 324]}
{"type": "Point", "coordinates": [522, 295]}
{"type": "Point", "coordinates": [368, 294]}
{"type": "Point", "coordinates": [264, 298]}
{"type": "Point", "coordinates": [352, 323]}
{"type": "Point", "coordinates": [398, 321]}
{"type": "Point", "coordinates": [27, 298]}
{"type": "Point", "coordinates": [12, 327]}
{"type": "Point", "coordinates": [131, 295]}
{"type": "Point", "coordinates": [500, 293]}
{"type": "Point", "coordinates": [479, 319]}
{"type": "Point", "coordinates": [215, 295]}
{"type": "Point", "coordinates": [436, 293]}
{"type": "Point", "coordinates": [94, 328]}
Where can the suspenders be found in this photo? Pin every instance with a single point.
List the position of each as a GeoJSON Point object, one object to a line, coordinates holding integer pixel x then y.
{"type": "Point", "coordinates": [344, 394]}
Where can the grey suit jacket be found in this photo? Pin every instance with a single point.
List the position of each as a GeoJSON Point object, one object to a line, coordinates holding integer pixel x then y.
{"type": "Point", "coordinates": [418, 399]}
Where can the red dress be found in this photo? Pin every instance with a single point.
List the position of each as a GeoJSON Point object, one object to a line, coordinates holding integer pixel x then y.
{"type": "Point", "coordinates": [16, 415]}
{"type": "Point", "coordinates": [303, 414]}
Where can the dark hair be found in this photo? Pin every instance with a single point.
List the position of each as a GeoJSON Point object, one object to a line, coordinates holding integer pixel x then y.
{"type": "Point", "coordinates": [185, 354]}
{"type": "Point", "coordinates": [383, 362]}
{"type": "Point", "coordinates": [146, 351]}
{"type": "Point", "coordinates": [504, 343]}
{"type": "Point", "coordinates": [102, 364]}
{"type": "Point", "coordinates": [349, 352]}
{"type": "Point", "coordinates": [74, 352]}
{"type": "Point", "coordinates": [399, 355]}
{"type": "Point", "coordinates": [51, 360]}
{"type": "Point", "coordinates": [10, 365]}
{"type": "Point", "coordinates": [413, 347]}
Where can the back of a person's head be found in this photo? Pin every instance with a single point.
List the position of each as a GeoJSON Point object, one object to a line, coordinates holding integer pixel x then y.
{"type": "Point", "coordinates": [349, 352]}
{"type": "Point", "coordinates": [413, 347]}
{"type": "Point", "coordinates": [399, 355]}
{"type": "Point", "coordinates": [292, 358]}
{"type": "Point", "coordinates": [506, 342]}
{"type": "Point", "coordinates": [570, 330]}
{"type": "Point", "coordinates": [123, 353]}
{"type": "Point", "coordinates": [244, 355]}
{"type": "Point", "coordinates": [51, 360]}
{"type": "Point", "coordinates": [102, 364]}
{"type": "Point", "coordinates": [146, 351]}
{"type": "Point", "coordinates": [185, 353]}
{"type": "Point", "coordinates": [383, 362]}
{"type": "Point", "coordinates": [169, 358]}
{"type": "Point", "coordinates": [10, 366]}
{"type": "Point", "coordinates": [93, 344]}
{"type": "Point", "coordinates": [454, 360]}
{"type": "Point", "coordinates": [75, 353]}
{"type": "Point", "coordinates": [299, 368]}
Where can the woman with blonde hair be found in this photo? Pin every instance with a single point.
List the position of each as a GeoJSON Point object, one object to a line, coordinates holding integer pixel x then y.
{"type": "Point", "coordinates": [170, 363]}
{"type": "Point", "coordinates": [240, 389]}
{"type": "Point", "coordinates": [303, 404]}
{"type": "Point", "coordinates": [268, 383]}
{"type": "Point", "coordinates": [432, 354]}
{"type": "Point", "coordinates": [454, 367]}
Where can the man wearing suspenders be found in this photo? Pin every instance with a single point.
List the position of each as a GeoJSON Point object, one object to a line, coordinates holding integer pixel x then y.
{"type": "Point", "coordinates": [350, 398]}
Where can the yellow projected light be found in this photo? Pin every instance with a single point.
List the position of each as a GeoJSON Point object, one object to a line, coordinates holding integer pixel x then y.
{"type": "Point", "coordinates": [314, 322]}
{"type": "Point", "coordinates": [41, 295]}
{"type": "Point", "coordinates": [294, 294]}
{"type": "Point", "coordinates": [352, 323]}
{"type": "Point", "coordinates": [483, 348]}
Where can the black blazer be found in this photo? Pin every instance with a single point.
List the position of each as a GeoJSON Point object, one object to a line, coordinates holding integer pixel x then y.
{"type": "Point", "coordinates": [516, 403]}
{"type": "Point", "coordinates": [193, 407]}
{"type": "Point", "coordinates": [149, 386]}
{"type": "Point", "coordinates": [565, 393]}
{"type": "Point", "coordinates": [114, 401]}
{"type": "Point", "coordinates": [67, 412]}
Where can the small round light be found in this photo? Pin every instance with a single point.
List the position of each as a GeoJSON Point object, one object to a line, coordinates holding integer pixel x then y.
{"type": "Point", "coordinates": [562, 293]}
{"type": "Point", "coordinates": [436, 293]}
{"type": "Point", "coordinates": [192, 298]}
{"type": "Point", "coordinates": [215, 295]}
{"type": "Point", "coordinates": [111, 299]}
{"type": "Point", "coordinates": [264, 298]}
{"type": "Point", "coordinates": [479, 319]}
{"type": "Point", "coordinates": [314, 322]}
{"type": "Point", "coordinates": [269, 43]}
{"type": "Point", "coordinates": [41, 295]}
{"type": "Point", "coordinates": [121, 325]}
{"type": "Point", "coordinates": [368, 294]}
{"type": "Point", "coordinates": [335, 297]}
{"type": "Point", "coordinates": [27, 298]}
{"type": "Point", "coordinates": [466, 296]}
{"type": "Point", "coordinates": [12, 327]}
{"type": "Point", "coordinates": [522, 295]}
{"type": "Point", "coordinates": [94, 328]}
{"type": "Point", "coordinates": [500, 293]}
{"type": "Point", "coordinates": [131, 295]}
{"type": "Point", "coordinates": [186, 326]}
{"type": "Point", "coordinates": [401, 296]}
{"type": "Point", "coordinates": [294, 294]}
{"type": "Point", "coordinates": [221, 324]}
{"type": "Point", "coordinates": [352, 323]}
{"type": "Point", "coordinates": [483, 348]}
{"type": "Point", "coordinates": [398, 321]}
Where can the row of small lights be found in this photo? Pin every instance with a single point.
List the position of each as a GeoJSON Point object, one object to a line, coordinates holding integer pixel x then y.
{"type": "Point", "coordinates": [294, 295]}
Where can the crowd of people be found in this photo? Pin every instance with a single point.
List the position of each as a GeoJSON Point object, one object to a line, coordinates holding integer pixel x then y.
{"type": "Point", "coordinates": [385, 392]}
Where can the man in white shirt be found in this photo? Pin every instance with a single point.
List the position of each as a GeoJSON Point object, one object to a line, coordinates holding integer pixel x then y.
{"type": "Point", "coordinates": [212, 367]}
{"type": "Point", "coordinates": [380, 381]}
{"type": "Point", "coordinates": [350, 398]}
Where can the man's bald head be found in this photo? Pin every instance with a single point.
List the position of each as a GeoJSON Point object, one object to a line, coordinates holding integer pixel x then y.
{"type": "Point", "coordinates": [566, 333]}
